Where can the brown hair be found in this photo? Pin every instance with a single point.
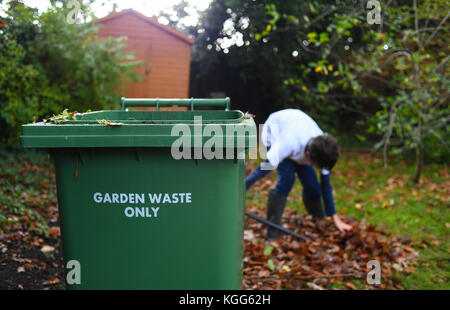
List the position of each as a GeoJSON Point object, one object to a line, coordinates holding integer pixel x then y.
{"type": "Point", "coordinates": [324, 151]}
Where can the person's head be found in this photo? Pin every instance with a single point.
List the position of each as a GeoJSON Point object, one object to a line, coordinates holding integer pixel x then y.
{"type": "Point", "coordinates": [323, 151]}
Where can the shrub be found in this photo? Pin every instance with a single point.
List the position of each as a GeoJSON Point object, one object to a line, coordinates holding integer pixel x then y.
{"type": "Point", "coordinates": [48, 65]}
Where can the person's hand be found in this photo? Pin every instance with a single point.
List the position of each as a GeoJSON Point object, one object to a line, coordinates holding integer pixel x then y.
{"type": "Point", "coordinates": [341, 225]}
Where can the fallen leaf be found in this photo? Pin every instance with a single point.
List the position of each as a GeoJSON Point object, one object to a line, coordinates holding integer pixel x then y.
{"type": "Point", "coordinates": [54, 231]}
{"type": "Point", "coordinates": [314, 286]}
{"type": "Point", "coordinates": [271, 264]}
{"type": "Point", "coordinates": [51, 281]}
{"type": "Point", "coordinates": [263, 273]}
{"type": "Point", "coordinates": [47, 249]}
{"type": "Point", "coordinates": [249, 235]}
{"type": "Point", "coordinates": [350, 285]}
{"type": "Point", "coordinates": [28, 266]}
{"type": "Point", "coordinates": [268, 250]}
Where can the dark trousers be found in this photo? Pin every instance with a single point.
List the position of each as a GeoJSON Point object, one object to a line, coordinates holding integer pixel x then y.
{"type": "Point", "coordinates": [286, 178]}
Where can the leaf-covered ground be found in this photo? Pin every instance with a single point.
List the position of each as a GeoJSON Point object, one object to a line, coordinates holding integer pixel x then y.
{"type": "Point", "coordinates": [30, 247]}
{"type": "Point", "coordinates": [329, 258]}
{"type": "Point", "coordinates": [403, 226]}
{"type": "Point", "coordinates": [392, 218]}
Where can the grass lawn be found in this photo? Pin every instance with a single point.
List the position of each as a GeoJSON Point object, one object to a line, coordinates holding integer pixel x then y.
{"type": "Point", "coordinates": [386, 198]}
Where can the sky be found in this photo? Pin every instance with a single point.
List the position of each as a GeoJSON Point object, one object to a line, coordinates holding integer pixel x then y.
{"type": "Point", "coordinates": [101, 8]}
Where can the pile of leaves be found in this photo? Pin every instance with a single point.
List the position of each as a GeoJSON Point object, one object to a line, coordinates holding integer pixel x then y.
{"type": "Point", "coordinates": [328, 257]}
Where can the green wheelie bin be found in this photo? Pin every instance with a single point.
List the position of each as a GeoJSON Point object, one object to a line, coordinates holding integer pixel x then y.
{"type": "Point", "coordinates": [150, 199]}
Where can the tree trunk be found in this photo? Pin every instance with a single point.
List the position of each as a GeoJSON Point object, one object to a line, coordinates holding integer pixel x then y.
{"type": "Point", "coordinates": [387, 137]}
{"type": "Point", "coordinates": [419, 162]}
{"type": "Point", "coordinates": [419, 145]}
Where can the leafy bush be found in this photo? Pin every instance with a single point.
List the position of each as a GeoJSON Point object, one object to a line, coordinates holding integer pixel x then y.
{"type": "Point", "coordinates": [48, 65]}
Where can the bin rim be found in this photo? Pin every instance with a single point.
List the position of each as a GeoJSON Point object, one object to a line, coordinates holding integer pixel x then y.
{"type": "Point", "coordinates": [141, 133]}
{"type": "Point", "coordinates": [128, 117]}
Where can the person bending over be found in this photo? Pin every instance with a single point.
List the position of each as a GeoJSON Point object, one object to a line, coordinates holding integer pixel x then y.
{"type": "Point", "coordinates": [295, 144]}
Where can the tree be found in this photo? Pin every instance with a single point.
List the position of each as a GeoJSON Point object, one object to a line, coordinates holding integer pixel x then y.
{"type": "Point", "coordinates": [418, 71]}
{"type": "Point", "coordinates": [228, 57]}
{"type": "Point", "coordinates": [396, 74]}
{"type": "Point", "coordinates": [410, 60]}
{"type": "Point", "coordinates": [358, 67]}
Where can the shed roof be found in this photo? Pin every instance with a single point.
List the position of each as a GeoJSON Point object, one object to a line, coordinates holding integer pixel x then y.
{"type": "Point", "coordinates": [152, 21]}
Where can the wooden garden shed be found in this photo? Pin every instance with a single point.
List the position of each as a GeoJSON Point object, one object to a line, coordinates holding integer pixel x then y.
{"type": "Point", "coordinates": [165, 51]}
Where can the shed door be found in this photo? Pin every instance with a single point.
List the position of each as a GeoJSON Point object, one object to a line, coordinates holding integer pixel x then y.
{"type": "Point", "coordinates": [142, 50]}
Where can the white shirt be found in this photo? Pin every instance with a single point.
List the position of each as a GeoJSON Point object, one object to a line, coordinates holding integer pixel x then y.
{"type": "Point", "coordinates": [288, 132]}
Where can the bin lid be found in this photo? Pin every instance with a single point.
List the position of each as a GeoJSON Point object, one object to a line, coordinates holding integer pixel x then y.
{"type": "Point", "coordinates": [122, 128]}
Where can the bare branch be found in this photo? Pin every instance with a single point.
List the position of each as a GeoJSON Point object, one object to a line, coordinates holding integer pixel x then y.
{"type": "Point", "coordinates": [440, 138]}
{"type": "Point", "coordinates": [428, 14]}
{"type": "Point", "coordinates": [440, 64]}
{"type": "Point", "coordinates": [387, 137]}
{"type": "Point", "coordinates": [430, 29]}
{"type": "Point", "coordinates": [402, 52]}
{"type": "Point", "coordinates": [345, 107]}
{"type": "Point", "coordinates": [444, 122]}
{"type": "Point", "coordinates": [304, 47]}
{"type": "Point", "coordinates": [315, 20]}
{"type": "Point", "coordinates": [437, 29]}
{"type": "Point", "coordinates": [416, 23]}
{"type": "Point", "coordinates": [377, 78]}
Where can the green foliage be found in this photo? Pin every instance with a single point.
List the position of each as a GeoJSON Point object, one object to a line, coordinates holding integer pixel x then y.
{"type": "Point", "coordinates": [326, 58]}
{"type": "Point", "coordinates": [394, 78]}
{"type": "Point", "coordinates": [27, 192]}
{"type": "Point", "coordinates": [48, 65]}
{"type": "Point", "coordinates": [409, 61]}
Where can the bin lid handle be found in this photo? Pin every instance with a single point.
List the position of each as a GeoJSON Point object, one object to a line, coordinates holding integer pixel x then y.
{"type": "Point", "coordinates": [158, 102]}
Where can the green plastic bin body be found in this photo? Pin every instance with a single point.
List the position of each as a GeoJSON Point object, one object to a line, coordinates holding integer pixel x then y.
{"type": "Point", "coordinates": [136, 218]}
